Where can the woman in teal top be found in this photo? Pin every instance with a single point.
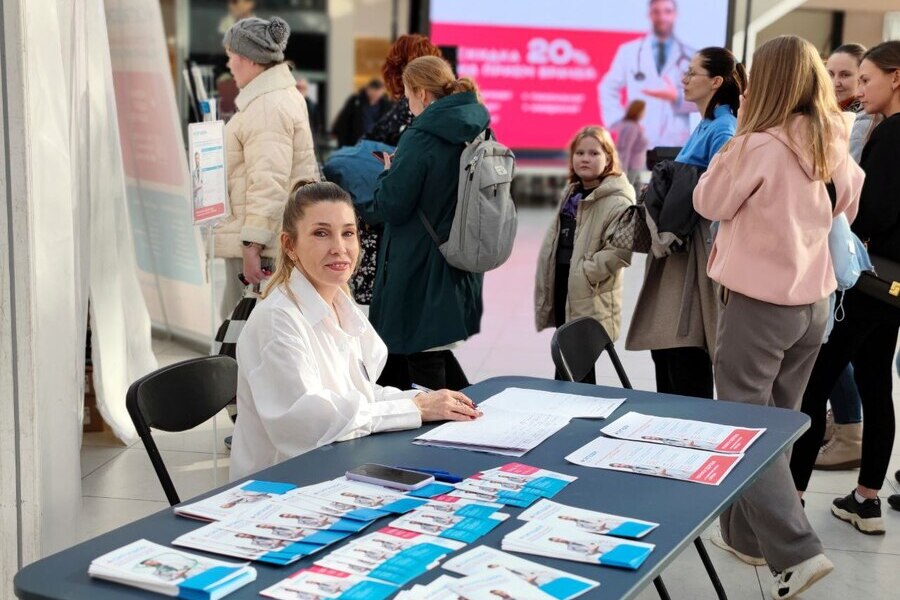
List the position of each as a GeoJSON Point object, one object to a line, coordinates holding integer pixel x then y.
{"type": "Point", "coordinates": [677, 312]}
{"type": "Point", "coordinates": [422, 307]}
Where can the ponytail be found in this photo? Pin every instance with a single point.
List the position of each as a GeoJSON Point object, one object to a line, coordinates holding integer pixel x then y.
{"type": "Point", "coordinates": [434, 75]}
{"type": "Point", "coordinates": [304, 194]}
{"type": "Point", "coordinates": [720, 62]}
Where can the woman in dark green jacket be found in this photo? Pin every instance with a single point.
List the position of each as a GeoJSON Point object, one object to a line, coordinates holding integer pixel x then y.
{"type": "Point", "coordinates": [422, 307]}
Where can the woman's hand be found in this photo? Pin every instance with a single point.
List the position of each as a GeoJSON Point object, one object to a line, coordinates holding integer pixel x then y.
{"type": "Point", "coordinates": [387, 160]}
{"type": "Point", "coordinates": [445, 405]}
{"type": "Point", "coordinates": [253, 272]}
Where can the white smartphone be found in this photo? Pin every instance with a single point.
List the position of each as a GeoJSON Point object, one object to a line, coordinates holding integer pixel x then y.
{"type": "Point", "coordinates": [391, 477]}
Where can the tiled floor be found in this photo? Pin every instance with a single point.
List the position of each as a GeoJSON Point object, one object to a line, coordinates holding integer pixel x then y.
{"type": "Point", "coordinates": [119, 484]}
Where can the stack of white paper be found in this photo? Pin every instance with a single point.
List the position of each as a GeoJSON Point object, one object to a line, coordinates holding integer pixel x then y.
{"type": "Point", "coordinates": [498, 431]}
{"type": "Point", "coordinates": [556, 583]}
{"type": "Point", "coordinates": [148, 566]}
{"type": "Point", "coordinates": [572, 406]}
{"type": "Point", "coordinates": [547, 539]}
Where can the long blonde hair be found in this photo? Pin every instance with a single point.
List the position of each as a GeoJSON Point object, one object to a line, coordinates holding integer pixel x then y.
{"type": "Point", "coordinates": [613, 164]}
{"type": "Point", "coordinates": [303, 195]}
{"type": "Point", "coordinates": [789, 78]}
{"type": "Point", "coordinates": [434, 74]}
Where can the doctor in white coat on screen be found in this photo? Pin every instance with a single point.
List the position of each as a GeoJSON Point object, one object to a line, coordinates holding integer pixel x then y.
{"type": "Point", "coordinates": [650, 68]}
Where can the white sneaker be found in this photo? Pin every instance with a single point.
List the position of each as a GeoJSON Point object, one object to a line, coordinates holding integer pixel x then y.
{"type": "Point", "coordinates": [719, 541]}
{"type": "Point", "coordinates": [799, 578]}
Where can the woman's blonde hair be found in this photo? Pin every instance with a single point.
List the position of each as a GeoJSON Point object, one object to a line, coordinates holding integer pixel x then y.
{"type": "Point", "coordinates": [303, 195]}
{"type": "Point", "coordinates": [613, 164]}
{"type": "Point", "coordinates": [789, 78]}
{"type": "Point", "coordinates": [434, 75]}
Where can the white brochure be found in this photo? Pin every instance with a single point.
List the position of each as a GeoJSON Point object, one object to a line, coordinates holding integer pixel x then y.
{"type": "Point", "coordinates": [696, 466]}
{"type": "Point", "coordinates": [568, 405]}
{"type": "Point", "coordinates": [235, 501]}
{"type": "Point", "coordinates": [497, 583]}
{"type": "Point", "coordinates": [149, 566]}
{"type": "Point", "coordinates": [559, 584]}
{"type": "Point", "coordinates": [684, 433]}
{"type": "Point", "coordinates": [543, 539]}
{"type": "Point", "coordinates": [587, 520]}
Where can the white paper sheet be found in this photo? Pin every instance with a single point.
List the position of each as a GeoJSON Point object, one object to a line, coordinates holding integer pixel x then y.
{"type": "Point", "coordinates": [696, 466]}
{"type": "Point", "coordinates": [498, 431]}
{"type": "Point", "coordinates": [684, 433]}
{"type": "Point", "coordinates": [572, 406]}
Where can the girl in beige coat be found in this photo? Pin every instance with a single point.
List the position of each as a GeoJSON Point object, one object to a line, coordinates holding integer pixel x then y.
{"type": "Point", "coordinates": [579, 274]}
{"type": "Point", "coordinates": [269, 148]}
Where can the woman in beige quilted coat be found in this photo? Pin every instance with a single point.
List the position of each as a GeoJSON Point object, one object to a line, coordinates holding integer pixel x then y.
{"type": "Point", "coordinates": [269, 148]}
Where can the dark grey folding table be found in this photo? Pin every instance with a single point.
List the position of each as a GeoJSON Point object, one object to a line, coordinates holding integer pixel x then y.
{"type": "Point", "coordinates": [683, 509]}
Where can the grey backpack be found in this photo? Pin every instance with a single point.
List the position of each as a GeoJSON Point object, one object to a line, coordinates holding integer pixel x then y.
{"type": "Point", "coordinates": [484, 224]}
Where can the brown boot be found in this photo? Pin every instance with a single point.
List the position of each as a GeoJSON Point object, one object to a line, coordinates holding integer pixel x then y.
{"type": "Point", "coordinates": [829, 427]}
{"type": "Point", "coordinates": [844, 451]}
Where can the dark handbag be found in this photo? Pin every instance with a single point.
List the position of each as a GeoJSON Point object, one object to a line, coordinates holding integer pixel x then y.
{"type": "Point", "coordinates": [883, 283]}
{"type": "Point", "coordinates": [630, 231]}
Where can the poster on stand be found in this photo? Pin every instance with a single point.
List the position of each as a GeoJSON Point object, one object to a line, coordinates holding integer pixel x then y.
{"type": "Point", "coordinates": [209, 182]}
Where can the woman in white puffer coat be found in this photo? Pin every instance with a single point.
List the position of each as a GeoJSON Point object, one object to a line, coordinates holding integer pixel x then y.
{"type": "Point", "coordinates": [269, 148]}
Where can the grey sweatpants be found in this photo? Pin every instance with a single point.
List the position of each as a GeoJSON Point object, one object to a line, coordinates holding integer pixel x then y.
{"type": "Point", "coordinates": [764, 355]}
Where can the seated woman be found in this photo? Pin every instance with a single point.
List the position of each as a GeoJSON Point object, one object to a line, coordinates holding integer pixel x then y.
{"type": "Point", "coordinates": [308, 358]}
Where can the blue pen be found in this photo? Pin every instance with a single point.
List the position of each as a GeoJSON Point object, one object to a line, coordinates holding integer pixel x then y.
{"type": "Point", "coordinates": [422, 388]}
{"type": "Point", "coordinates": [438, 474]}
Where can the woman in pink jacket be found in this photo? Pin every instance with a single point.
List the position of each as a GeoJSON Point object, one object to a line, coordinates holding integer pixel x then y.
{"type": "Point", "coordinates": [767, 187]}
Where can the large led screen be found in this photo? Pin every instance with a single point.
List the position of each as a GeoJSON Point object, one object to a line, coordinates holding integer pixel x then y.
{"type": "Point", "coordinates": [545, 68]}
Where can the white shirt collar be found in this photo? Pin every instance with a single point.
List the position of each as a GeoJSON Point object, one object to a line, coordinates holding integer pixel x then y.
{"type": "Point", "coordinates": [315, 309]}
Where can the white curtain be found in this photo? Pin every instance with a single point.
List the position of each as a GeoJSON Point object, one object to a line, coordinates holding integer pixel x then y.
{"type": "Point", "coordinates": [120, 323]}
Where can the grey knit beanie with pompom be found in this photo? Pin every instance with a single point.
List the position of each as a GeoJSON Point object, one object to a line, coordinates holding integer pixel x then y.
{"type": "Point", "coordinates": [259, 40]}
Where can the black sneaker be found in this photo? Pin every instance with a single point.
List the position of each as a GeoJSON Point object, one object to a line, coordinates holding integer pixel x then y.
{"type": "Point", "coordinates": [865, 516]}
{"type": "Point", "coordinates": [894, 501]}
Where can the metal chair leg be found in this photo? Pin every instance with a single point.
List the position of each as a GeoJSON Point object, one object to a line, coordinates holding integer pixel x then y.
{"type": "Point", "coordinates": [710, 569]}
{"type": "Point", "coordinates": [661, 588]}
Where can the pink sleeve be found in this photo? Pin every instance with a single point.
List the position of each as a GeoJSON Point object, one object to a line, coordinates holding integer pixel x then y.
{"type": "Point", "coordinates": [848, 181]}
{"type": "Point", "coordinates": [725, 186]}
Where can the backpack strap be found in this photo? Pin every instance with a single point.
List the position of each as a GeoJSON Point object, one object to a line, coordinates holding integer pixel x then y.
{"type": "Point", "coordinates": [429, 228]}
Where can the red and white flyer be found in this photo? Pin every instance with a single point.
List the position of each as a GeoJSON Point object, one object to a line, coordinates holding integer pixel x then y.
{"type": "Point", "coordinates": [697, 435]}
{"type": "Point", "coordinates": [696, 466]}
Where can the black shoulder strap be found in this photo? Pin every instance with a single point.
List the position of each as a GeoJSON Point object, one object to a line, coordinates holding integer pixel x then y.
{"type": "Point", "coordinates": [429, 228]}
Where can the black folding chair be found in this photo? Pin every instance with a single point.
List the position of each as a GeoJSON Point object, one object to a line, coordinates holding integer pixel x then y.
{"type": "Point", "coordinates": [576, 347]}
{"type": "Point", "coordinates": [177, 398]}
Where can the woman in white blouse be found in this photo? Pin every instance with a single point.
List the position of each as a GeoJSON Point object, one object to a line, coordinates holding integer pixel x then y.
{"type": "Point", "coordinates": [308, 359]}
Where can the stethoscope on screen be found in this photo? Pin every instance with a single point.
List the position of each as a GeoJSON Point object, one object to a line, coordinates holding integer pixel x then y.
{"type": "Point", "coordinates": [639, 75]}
